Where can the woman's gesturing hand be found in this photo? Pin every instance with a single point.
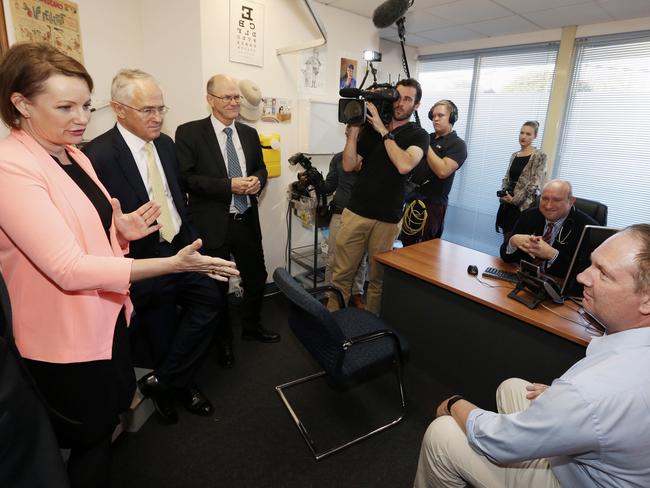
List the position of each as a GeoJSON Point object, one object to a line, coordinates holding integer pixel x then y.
{"type": "Point", "coordinates": [189, 259]}
{"type": "Point", "coordinates": [137, 224]}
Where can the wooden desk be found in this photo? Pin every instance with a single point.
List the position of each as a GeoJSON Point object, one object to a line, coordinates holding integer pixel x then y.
{"type": "Point", "coordinates": [467, 335]}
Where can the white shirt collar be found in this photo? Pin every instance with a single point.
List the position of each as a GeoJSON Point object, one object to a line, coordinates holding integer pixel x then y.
{"type": "Point", "coordinates": [134, 142]}
{"type": "Point", "coordinates": [219, 126]}
{"type": "Point", "coordinates": [625, 338]}
{"type": "Point", "coordinates": [557, 224]}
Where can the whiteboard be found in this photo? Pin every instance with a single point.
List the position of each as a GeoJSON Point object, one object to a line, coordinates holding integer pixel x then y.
{"type": "Point", "coordinates": [320, 130]}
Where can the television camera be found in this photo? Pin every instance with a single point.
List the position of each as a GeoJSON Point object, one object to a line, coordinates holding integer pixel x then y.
{"type": "Point", "coordinates": [354, 104]}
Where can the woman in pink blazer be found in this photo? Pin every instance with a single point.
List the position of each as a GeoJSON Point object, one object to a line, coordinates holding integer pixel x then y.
{"type": "Point", "coordinates": [62, 245]}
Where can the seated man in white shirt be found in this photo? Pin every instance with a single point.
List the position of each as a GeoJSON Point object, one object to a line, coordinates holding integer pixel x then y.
{"type": "Point", "coordinates": [591, 427]}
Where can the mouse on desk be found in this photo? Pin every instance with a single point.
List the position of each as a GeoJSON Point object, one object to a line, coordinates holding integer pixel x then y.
{"type": "Point", "coordinates": [472, 269]}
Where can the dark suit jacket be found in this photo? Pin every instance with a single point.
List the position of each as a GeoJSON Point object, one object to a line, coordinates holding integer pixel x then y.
{"type": "Point", "coordinates": [532, 221]}
{"type": "Point", "coordinates": [117, 170]}
{"type": "Point", "coordinates": [28, 449]}
{"type": "Point", "coordinates": [205, 176]}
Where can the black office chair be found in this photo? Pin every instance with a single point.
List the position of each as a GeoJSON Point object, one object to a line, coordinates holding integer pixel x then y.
{"type": "Point", "coordinates": [596, 210]}
{"type": "Point", "coordinates": [351, 345]}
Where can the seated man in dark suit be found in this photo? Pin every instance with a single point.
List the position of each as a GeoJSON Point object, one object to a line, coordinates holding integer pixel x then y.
{"type": "Point", "coordinates": [137, 163]}
{"type": "Point", "coordinates": [548, 235]}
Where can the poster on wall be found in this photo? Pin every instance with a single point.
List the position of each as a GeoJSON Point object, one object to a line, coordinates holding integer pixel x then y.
{"type": "Point", "coordinates": [312, 72]}
{"type": "Point", "coordinates": [247, 32]}
{"type": "Point", "coordinates": [348, 73]}
{"type": "Point", "coordinates": [54, 21]}
{"type": "Point", "coordinates": [276, 110]}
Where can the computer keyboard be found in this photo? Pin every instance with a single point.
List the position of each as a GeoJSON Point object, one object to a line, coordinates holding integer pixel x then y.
{"type": "Point", "coordinates": [499, 274]}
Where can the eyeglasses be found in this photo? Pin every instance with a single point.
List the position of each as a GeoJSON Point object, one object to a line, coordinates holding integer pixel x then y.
{"type": "Point", "coordinates": [148, 111]}
{"type": "Point", "coordinates": [227, 98]}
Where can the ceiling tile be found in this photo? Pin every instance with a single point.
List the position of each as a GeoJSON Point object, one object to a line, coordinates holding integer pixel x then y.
{"type": "Point", "coordinates": [525, 6]}
{"type": "Point", "coordinates": [422, 4]}
{"type": "Point", "coordinates": [503, 27]}
{"type": "Point", "coordinates": [569, 15]}
{"type": "Point", "coordinates": [451, 34]}
{"type": "Point", "coordinates": [422, 21]}
{"type": "Point", "coordinates": [625, 9]}
{"type": "Point", "coordinates": [468, 11]}
{"type": "Point", "coordinates": [436, 21]}
{"type": "Point", "coordinates": [365, 8]}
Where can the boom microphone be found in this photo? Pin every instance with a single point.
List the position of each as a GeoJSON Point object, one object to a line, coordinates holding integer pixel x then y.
{"type": "Point", "coordinates": [389, 12]}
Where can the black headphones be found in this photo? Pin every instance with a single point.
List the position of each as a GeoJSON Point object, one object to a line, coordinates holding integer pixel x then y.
{"type": "Point", "coordinates": [453, 115]}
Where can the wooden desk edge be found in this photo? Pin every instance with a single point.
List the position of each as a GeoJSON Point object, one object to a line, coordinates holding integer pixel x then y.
{"type": "Point", "coordinates": [387, 259]}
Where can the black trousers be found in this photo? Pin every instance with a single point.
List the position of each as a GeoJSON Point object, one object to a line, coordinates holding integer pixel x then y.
{"type": "Point", "coordinates": [244, 242]}
{"type": "Point", "coordinates": [174, 323]}
{"type": "Point", "coordinates": [84, 401]}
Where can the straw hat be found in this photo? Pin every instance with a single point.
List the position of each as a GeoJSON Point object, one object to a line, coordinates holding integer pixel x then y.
{"type": "Point", "coordinates": [251, 104]}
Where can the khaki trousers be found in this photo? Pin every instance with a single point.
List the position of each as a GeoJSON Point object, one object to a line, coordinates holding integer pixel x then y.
{"type": "Point", "coordinates": [357, 236]}
{"type": "Point", "coordinates": [448, 461]}
{"type": "Point", "coordinates": [360, 277]}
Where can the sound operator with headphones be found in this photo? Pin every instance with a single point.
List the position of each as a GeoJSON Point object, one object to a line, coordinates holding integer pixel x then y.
{"type": "Point", "coordinates": [548, 235]}
{"type": "Point", "coordinates": [433, 177]}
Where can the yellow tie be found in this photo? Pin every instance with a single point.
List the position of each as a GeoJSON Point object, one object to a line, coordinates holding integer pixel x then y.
{"type": "Point", "coordinates": [158, 191]}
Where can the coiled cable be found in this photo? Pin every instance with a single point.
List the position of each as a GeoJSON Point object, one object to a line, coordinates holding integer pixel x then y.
{"type": "Point", "coordinates": [415, 217]}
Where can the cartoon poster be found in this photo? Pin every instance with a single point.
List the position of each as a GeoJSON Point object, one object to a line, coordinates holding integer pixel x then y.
{"type": "Point", "coordinates": [247, 32]}
{"type": "Point", "coordinates": [53, 21]}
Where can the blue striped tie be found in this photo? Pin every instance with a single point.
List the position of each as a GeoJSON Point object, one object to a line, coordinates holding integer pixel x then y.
{"type": "Point", "coordinates": [234, 170]}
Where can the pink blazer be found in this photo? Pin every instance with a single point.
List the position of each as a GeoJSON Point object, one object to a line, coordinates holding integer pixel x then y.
{"type": "Point", "coordinates": [66, 282]}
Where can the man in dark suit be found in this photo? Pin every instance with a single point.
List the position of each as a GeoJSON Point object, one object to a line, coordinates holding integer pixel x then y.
{"type": "Point", "coordinates": [548, 235]}
{"type": "Point", "coordinates": [223, 172]}
{"type": "Point", "coordinates": [137, 163]}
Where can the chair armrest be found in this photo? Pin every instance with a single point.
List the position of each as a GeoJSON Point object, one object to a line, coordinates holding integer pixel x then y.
{"type": "Point", "coordinates": [337, 293]}
{"type": "Point", "coordinates": [374, 336]}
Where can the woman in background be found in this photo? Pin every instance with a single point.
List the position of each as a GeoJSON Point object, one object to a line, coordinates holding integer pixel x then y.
{"type": "Point", "coordinates": [523, 179]}
{"type": "Point", "coordinates": [62, 245]}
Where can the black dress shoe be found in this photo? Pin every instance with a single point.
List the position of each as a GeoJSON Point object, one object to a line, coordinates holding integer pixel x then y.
{"type": "Point", "coordinates": [161, 397]}
{"type": "Point", "coordinates": [260, 334]}
{"type": "Point", "coordinates": [225, 355]}
{"type": "Point", "coordinates": [196, 402]}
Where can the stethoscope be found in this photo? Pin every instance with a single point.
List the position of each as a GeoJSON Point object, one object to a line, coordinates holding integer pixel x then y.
{"type": "Point", "coordinates": [561, 239]}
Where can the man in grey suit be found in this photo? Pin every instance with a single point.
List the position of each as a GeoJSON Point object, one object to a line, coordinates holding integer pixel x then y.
{"type": "Point", "coordinates": [223, 171]}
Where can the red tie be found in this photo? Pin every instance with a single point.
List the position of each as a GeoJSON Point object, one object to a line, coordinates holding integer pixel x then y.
{"type": "Point", "coordinates": [548, 233]}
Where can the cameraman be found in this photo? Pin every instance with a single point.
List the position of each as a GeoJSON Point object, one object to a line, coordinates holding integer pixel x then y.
{"type": "Point", "coordinates": [434, 175]}
{"type": "Point", "coordinates": [382, 156]}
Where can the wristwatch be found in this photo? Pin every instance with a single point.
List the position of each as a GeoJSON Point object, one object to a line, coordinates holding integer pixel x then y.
{"type": "Point", "coordinates": [453, 400]}
{"type": "Point", "coordinates": [388, 135]}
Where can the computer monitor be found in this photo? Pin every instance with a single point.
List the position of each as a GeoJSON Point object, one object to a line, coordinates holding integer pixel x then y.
{"type": "Point", "coordinates": [592, 237]}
